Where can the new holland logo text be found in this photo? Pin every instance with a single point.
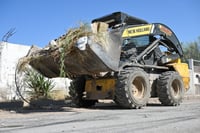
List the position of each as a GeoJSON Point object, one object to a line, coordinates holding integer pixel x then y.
{"type": "Point", "coordinates": [137, 31]}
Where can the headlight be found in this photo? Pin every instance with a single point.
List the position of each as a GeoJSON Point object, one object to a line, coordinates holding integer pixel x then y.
{"type": "Point", "coordinates": [81, 43]}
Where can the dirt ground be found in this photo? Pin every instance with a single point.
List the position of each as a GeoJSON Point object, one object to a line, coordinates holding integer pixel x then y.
{"type": "Point", "coordinates": [104, 117]}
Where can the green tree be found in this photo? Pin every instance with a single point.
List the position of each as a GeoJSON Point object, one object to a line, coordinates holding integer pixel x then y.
{"type": "Point", "coordinates": [192, 50]}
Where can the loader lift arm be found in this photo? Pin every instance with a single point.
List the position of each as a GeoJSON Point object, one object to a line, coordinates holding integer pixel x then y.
{"type": "Point", "coordinates": [169, 36]}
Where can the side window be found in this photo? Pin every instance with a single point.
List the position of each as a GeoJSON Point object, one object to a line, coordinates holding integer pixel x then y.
{"type": "Point", "coordinates": [142, 41]}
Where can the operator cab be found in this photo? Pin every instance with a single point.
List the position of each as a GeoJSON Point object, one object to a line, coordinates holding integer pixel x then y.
{"type": "Point", "coordinates": [138, 35]}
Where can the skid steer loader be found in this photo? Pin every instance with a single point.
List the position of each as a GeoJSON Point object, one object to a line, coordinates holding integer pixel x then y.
{"type": "Point", "coordinates": [136, 61]}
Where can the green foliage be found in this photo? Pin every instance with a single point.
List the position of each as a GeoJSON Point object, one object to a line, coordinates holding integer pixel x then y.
{"type": "Point", "coordinates": [192, 50]}
{"type": "Point", "coordinates": [62, 63]}
{"type": "Point", "coordinates": [39, 86]}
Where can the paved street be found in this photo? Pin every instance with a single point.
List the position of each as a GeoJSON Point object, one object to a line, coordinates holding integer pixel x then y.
{"type": "Point", "coordinates": [105, 118]}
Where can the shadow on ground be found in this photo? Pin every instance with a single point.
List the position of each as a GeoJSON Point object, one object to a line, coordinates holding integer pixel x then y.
{"type": "Point", "coordinates": [59, 106]}
{"type": "Point", "coordinates": [37, 106]}
{"type": "Point", "coordinates": [11, 105]}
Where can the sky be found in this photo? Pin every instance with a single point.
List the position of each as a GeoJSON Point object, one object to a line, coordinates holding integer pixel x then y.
{"type": "Point", "coordinates": [37, 22]}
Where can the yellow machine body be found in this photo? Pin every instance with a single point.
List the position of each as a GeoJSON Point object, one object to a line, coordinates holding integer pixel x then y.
{"type": "Point", "coordinates": [100, 88]}
{"type": "Point", "coordinates": [182, 69]}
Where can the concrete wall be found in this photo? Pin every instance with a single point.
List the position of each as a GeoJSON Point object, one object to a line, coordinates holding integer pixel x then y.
{"type": "Point", "coordinates": [194, 78]}
{"type": "Point", "coordinates": [9, 55]}
{"type": "Point", "coordinates": [60, 91]}
{"type": "Point", "coordinates": [191, 90]}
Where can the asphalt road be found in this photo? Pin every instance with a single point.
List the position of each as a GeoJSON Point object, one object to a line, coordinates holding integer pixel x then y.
{"type": "Point", "coordinates": [104, 118]}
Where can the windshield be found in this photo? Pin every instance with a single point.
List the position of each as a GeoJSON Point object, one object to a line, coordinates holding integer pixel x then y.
{"type": "Point", "coordinates": [137, 41]}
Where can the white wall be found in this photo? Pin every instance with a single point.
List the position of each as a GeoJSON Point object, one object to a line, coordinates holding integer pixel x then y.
{"type": "Point", "coordinates": [9, 56]}
{"type": "Point", "coordinates": [194, 78]}
{"type": "Point", "coordinates": [191, 90]}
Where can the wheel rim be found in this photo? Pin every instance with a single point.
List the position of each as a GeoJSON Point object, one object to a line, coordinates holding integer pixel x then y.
{"type": "Point", "coordinates": [138, 87]}
{"type": "Point", "coordinates": [175, 87]}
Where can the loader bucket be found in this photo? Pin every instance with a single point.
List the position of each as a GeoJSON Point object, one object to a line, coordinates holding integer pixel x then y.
{"type": "Point", "coordinates": [99, 55]}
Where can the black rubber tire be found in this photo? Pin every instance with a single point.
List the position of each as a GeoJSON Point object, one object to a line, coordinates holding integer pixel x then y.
{"type": "Point", "coordinates": [125, 95]}
{"type": "Point", "coordinates": [76, 90]}
{"type": "Point", "coordinates": [170, 88]}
